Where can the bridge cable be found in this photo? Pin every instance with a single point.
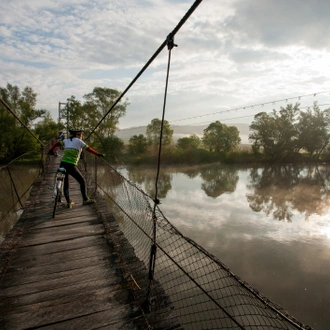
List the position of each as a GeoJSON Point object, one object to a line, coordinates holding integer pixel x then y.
{"type": "Point", "coordinates": [152, 260]}
{"type": "Point", "coordinates": [175, 30]}
{"type": "Point", "coordinates": [14, 114]}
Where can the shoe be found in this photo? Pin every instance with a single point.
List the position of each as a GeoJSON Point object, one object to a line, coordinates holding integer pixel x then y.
{"type": "Point", "coordinates": [89, 201]}
{"type": "Point", "coordinates": [70, 205]}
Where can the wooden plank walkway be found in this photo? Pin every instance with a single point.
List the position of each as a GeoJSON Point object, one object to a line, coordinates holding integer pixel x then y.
{"type": "Point", "coordinates": [63, 273]}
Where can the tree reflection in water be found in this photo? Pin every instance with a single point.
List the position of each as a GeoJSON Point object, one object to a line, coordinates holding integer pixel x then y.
{"type": "Point", "coordinates": [278, 191]}
{"type": "Point", "coordinates": [148, 178]}
{"type": "Point", "coordinates": [219, 180]}
{"type": "Point", "coordinates": [281, 190]}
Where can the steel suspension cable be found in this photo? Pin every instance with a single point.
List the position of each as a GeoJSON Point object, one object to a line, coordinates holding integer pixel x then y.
{"type": "Point", "coordinates": [152, 260]}
{"type": "Point", "coordinates": [175, 30]}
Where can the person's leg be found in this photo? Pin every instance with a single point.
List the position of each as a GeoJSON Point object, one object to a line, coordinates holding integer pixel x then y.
{"type": "Point", "coordinates": [66, 188]}
{"type": "Point", "coordinates": [81, 180]}
{"type": "Point", "coordinates": [66, 181]}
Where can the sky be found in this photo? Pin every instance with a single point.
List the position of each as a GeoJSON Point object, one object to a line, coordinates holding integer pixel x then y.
{"type": "Point", "coordinates": [235, 58]}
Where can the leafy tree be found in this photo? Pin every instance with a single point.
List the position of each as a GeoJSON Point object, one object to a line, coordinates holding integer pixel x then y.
{"type": "Point", "coordinates": [74, 114]}
{"type": "Point", "coordinates": [47, 128]}
{"type": "Point", "coordinates": [98, 104]}
{"type": "Point", "coordinates": [138, 144]}
{"type": "Point", "coordinates": [112, 146]}
{"type": "Point", "coordinates": [220, 137]}
{"type": "Point", "coordinates": [313, 129]}
{"type": "Point", "coordinates": [88, 114]}
{"type": "Point", "coordinates": [276, 133]}
{"type": "Point", "coordinates": [7, 131]}
{"type": "Point", "coordinates": [153, 133]}
{"type": "Point", "coordinates": [22, 103]}
{"type": "Point", "coordinates": [15, 139]}
{"type": "Point", "coordinates": [191, 142]}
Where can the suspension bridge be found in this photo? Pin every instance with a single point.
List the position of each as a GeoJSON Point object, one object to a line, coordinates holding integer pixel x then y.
{"type": "Point", "coordinates": [118, 264]}
{"type": "Point", "coordinates": [100, 266]}
{"type": "Point", "coordinates": [64, 273]}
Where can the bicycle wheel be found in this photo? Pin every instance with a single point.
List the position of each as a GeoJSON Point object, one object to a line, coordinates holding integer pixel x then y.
{"type": "Point", "coordinates": [56, 200]}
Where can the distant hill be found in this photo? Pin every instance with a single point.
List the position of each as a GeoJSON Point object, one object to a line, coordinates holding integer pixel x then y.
{"type": "Point", "coordinates": [182, 131]}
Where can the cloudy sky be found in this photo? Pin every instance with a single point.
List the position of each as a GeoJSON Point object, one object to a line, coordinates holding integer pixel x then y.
{"type": "Point", "coordinates": [234, 58]}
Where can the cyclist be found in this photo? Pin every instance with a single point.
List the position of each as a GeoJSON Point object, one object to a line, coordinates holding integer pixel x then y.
{"type": "Point", "coordinates": [60, 136]}
{"type": "Point", "coordinates": [73, 147]}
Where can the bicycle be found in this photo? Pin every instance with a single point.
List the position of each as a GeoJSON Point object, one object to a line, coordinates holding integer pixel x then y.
{"type": "Point", "coordinates": [58, 187]}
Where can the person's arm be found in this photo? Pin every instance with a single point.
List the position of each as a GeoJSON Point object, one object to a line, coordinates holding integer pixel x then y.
{"type": "Point", "coordinates": [54, 147]}
{"type": "Point", "coordinates": [94, 152]}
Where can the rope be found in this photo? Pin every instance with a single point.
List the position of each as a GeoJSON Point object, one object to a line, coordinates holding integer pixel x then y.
{"type": "Point", "coordinates": [176, 29]}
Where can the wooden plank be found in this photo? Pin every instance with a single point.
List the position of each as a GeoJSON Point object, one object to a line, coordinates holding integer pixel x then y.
{"type": "Point", "coordinates": [68, 220]}
{"type": "Point", "coordinates": [53, 247]}
{"type": "Point", "coordinates": [100, 320]}
{"type": "Point", "coordinates": [27, 260]}
{"type": "Point", "coordinates": [71, 274]}
{"type": "Point", "coordinates": [51, 236]}
{"type": "Point", "coordinates": [54, 226]}
{"type": "Point", "coordinates": [21, 297]}
{"type": "Point", "coordinates": [64, 266]}
{"type": "Point", "coordinates": [69, 307]}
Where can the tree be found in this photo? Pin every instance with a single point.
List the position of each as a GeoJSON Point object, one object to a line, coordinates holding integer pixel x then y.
{"type": "Point", "coordinates": [75, 114]}
{"type": "Point", "coordinates": [189, 142]}
{"type": "Point", "coordinates": [276, 133]}
{"type": "Point", "coordinates": [138, 144]}
{"type": "Point", "coordinates": [22, 103]}
{"type": "Point", "coordinates": [98, 103]}
{"type": "Point", "coordinates": [15, 139]}
{"type": "Point", "coordinates": [112, 146]}
{"type": "Point", "coordinates": [87, 115]}
{"type": "Point", "coordinates": [313, 129]}
{"type": "Point", "coordinates": [220, 137]}
{"type": "Point", "coordinates": [47, 128]}
{"type": "Point", "coordinates": [153, 133]}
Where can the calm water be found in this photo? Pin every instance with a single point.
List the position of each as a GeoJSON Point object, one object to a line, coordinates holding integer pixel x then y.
{"type": "Point", "coordinates": [269, 225]}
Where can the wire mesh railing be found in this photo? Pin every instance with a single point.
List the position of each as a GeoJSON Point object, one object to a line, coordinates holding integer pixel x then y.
{"type": "Point", "coordinates": [204, 293]}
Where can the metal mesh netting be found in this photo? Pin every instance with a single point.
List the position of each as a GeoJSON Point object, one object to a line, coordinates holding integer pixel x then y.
{"type": "Point", "coordinates": [204, 292]}
{"type": "Point", "coordinates": [16, 179]}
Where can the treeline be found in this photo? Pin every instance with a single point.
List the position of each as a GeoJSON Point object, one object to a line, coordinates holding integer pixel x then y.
{"type": "Point", "coordinates": [15, 139]}
{"type": "Point", "coordinates": [287, 135]}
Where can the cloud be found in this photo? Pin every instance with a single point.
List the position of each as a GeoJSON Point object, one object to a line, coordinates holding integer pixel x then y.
{"type": "Point", "coordinates": [230, 53]}
{"type": "Point", "coordinates": [282, 23]}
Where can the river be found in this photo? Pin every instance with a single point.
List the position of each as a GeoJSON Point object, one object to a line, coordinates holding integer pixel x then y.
{"type": "Point", "coordinates": [15, 183]}
{"type": "Point", "coordinates": [269, 225]}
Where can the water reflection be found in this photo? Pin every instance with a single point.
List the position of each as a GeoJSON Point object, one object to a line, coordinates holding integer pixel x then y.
{"type": "Point", "coordinates": [147, 177]}
{"type": "Point", "coordinates": [230, 211]}
{"type": "Point", "coordinates": [281, 190]}
{"type": "Point", "coordinates": [219, 180]}
{"type": "Point", "coordinates": [277, 191]}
